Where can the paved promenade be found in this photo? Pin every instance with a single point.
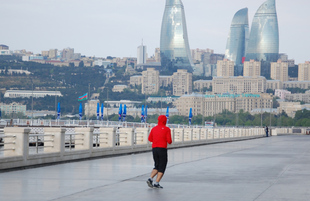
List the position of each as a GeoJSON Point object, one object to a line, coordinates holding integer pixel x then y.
{"type": "Point", "coordinates": [266, 169]}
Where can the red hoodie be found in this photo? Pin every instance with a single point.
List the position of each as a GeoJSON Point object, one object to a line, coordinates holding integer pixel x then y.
{"type": "Point", "coordinates": [160, 135]}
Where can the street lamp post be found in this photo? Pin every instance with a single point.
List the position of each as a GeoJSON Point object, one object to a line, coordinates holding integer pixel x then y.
{"type": "Point", "coordinates": [32, 102]}
{"type": "Point", "coordinates": [270, 112]}
{"type": "Point", "coordinates": [261, 112]}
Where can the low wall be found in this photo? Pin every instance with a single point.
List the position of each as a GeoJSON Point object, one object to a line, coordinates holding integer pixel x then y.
{"type": "Point", "coordinates": [85, 143]}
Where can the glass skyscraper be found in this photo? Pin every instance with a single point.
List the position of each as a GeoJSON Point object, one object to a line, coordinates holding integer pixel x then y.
{"type": "Point", "coordinates": [238, 39]}
{"type": "Point", "coordinates": [264, 37]}
{"type": "Point", "coordinates": [174, 47]}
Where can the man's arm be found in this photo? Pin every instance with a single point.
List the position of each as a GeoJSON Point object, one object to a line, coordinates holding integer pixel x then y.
{"type": "Point", "coordinates": [169, 140]}
{"type": "Point", "coordinates": [151, 136]}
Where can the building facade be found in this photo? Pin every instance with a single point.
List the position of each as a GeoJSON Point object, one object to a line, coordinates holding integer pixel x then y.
{"type": "Point", "coordinates": [174, 46]}
{"type": "Point", "coordinates": [264, 37]}
{"type": "Point", "coordinates": [239, 85]}
{"type": "Point", "coordinates": [304, 71]}
{"type": "Point", "coordinates": [281, 93]}
{"type": "Point", "coordinates": [290, 108]}
{"type": "Point", "coordinates": [274, 84]}
{"type": "Point", "coordinates": [29, 93]}
{"type": "Point", "coordinates": [119, 88]}
{"type": "Point", "coordinates": [135, 80]}
{"type": "Point", "coordinates": [200, 84]}
{"type": "Point", "coordinates": [209, 105]}
{"type": "Point", "coordinates": [279, 71]}
{"type": "Point", "coordinates": [181, 82]}
{"type": "Point", "coordinates": [251, 68]}
{"type": "Point", "coordinates": [165, 81]}
{"type": "Point", "coordinates": [13, 108]}
{"type": "Point", "coordinates": [296, 84]}
{"type": "Point", "coordinates": [150, 81]}
{"type": "Point", "coordinates": [237, 39]}
{"type": "Point", "coordinates": [225, 68]}
{"type": "Point", "coordinates": [305, 97]}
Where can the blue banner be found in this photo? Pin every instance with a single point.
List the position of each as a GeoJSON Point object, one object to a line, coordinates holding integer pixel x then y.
{"type": "Point", "coordinates": [120, 112]}
{"type": "Point", "coordinates": [124, 113]}
{"type": "Point", "coordinates": [190, 116]}
{"type": "Point", "coordinates": [102, 111]}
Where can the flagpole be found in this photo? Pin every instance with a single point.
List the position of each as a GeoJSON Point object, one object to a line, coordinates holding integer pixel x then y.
{"type": "Point", "coordinates": [107, 104]}
{"type": "Point", "coordinates": [88, 101]}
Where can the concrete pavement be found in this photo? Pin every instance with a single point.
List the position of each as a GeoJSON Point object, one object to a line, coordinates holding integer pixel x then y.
{"type": "Point", "coordinates": [274, 168]}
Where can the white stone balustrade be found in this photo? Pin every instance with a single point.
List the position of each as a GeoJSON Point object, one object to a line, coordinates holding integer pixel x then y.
{"type": "Point", "coordinates": [110, 140]}
{"type": "Point", "coordinates": [142, 135]}
{"type": "Point", "coordinates": [107, 137]}
{"type": "Point", "coordinates": [197, 135]}
{"type": "Point", "coordinates": [54, 140]}
{"type": "Point", "coordinates": [16, 141]}
{"type": "Point", "coordinates": [188, 134]}
{"type": "Point", "coordinates": [178, 135]}
{"type": "Point", "coordinates": [126, 136]}
{"type": "Point", "coordinates": [84, 138]}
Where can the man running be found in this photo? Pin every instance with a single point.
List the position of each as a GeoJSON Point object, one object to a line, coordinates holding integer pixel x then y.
{"type": "Point", "coordinates": [160, 135]}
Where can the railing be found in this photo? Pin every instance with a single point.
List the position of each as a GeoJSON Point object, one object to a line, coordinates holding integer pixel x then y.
{"type": "Point", "coordinates": [24, 146]}
{"type": "Point", "coordinates": [10, 142]}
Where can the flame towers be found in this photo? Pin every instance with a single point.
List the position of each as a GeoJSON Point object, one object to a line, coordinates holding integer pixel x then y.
{"type": "Point", "coordinates": [237, 39]}
{"type": "Point", "coordinates": [174, 46]}
{"type": "Point", "coordinates": [264, 37]}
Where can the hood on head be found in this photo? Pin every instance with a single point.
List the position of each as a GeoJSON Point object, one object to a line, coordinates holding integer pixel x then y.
{"type": "Point", "coordinates": [162, 120]}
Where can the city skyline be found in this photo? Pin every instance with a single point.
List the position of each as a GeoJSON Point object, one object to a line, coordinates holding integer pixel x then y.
{"type": "Point", "coordinates": [115, 28]}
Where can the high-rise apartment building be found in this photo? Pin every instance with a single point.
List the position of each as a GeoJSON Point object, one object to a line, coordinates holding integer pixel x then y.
{"type": "Point", "coordinates": [225, 68]}
{"type": "Point", "coordinates": [141, 55]}
{"type": "Point", "coordinates": [157, 54]}
{"type": "Point", "coordinates": [174, 46]}
{"type": "Point", "coordinates": [264, 37]}
{"type": "Point", "coordinates": [52, 53]}
{"type": "Point", "coordinates": [150, 81]}
{"type": "Point", "coordinates": [197, 54]}
{"type": "Point", "coordinates": [279, 71]}
{"type": "Point", "coordinates": [251, 68]}
{"type": "Point", "coordinates": [239, 85]}
{"type": "Point", "coordinates": [304, 71]}
{"type": "Point", "coordinates": [182, 82]}
{"type": "Point", "coordinates": [238, 39]}
{"type": "Point", "coordinates": [68, 54]}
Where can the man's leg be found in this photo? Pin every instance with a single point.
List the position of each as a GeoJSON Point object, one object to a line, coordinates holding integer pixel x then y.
{"type": "Point", "coordinates": [150, 180]}
{"type": "Point", "coordinates": [159, 176]}
{"type": "Point", "coordinates": [154, 173]}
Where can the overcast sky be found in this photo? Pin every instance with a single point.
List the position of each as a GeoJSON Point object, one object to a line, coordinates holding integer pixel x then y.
{"type": "Point", "coordinates": [116, 27]}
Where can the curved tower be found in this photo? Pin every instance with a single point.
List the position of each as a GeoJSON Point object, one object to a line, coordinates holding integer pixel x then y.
{"type": "Point", "coordinates": [174, 47]}
{"type": "Point", "coordinates": [264, 38]}
{"type": "Point", "coordinates": [238, 39]}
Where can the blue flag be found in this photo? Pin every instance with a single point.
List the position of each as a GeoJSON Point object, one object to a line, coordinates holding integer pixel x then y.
{"type": "Point", "coordinates": [58, 111]}
{"type": "Point", "coordinates": [102, 111]}
{"type": "Point", "coordinates": [145, 114]}
{"type": "Point", "coordinates": [167, 114]}
{"type": "Point", "coordinates": [120, 112]}
{"type": "Point", "coordinates": [98, 108]}
{"type": "Point", "coordinates": [142, 114]}
{"type": "Point", "coordinates": [190, 116]}
{"type": "Point", "coordinates": [124, 113]}
{"type": "Point", "coordinates": [81, 111]}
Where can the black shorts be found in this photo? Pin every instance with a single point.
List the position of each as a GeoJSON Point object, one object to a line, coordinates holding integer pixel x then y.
{"type": "Point", "coordinates": [160, 156]}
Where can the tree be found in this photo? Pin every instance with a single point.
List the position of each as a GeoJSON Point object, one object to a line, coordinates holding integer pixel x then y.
{"type": "Point", "coordinates": [81, 64]}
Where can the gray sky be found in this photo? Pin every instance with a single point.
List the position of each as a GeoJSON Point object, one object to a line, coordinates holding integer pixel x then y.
{"type": "Point", "coordinates": [116, 27]}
